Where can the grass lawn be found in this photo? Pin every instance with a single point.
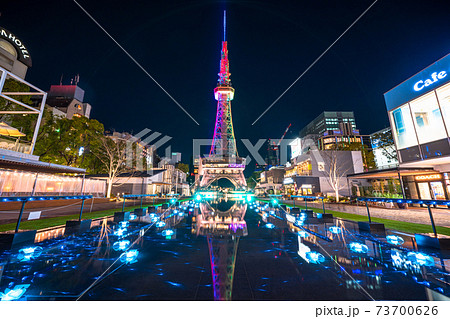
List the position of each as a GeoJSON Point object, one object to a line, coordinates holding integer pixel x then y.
{"type": "Point", "coordinates": [61, 220]}
{"type": "Point", "coordinates": [388, 223]}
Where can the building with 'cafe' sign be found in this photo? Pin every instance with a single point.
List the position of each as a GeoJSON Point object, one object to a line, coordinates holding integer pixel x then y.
{"type": "Point", "coordinates": [419, 115]}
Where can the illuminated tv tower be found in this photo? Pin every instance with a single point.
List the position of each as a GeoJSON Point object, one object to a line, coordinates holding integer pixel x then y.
{"type": "Point", "coordinates": [224, 143]}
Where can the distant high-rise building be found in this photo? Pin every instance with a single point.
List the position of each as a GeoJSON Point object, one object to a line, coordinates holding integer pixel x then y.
{"type": "Point", "coordinates": [332, 128]}
{"type": "Point", "coordinates": [329, 121]}
{"type": "Point", "coordinates": [175, 158]}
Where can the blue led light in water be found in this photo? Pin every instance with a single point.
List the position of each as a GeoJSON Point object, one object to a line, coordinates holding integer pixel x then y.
{"type": "Point", "coordinates": [335, 229]}
{"type": "Point", "coordinates": [129, 257]}
{"type": "Point", "coordinates": [167, 232]}
{"type": "Point", "coordinates": [302, 234]}
{"type": "Point", "coordinates": [270, 226]}
{"type": "Point", "coordinates": [175, 211]}
{"type": "Point", "coordinates": [155, 219]}
{"type": "Point", "coordinates": [198, 197]}
{"type": "Point", "coordinates": [14, 293]}
{"type": "Point", "coordinates": [181, 214]}
{"type": "Point", "coordinates": [121, 245]}
{"type": "Point", "coordinates": [133, 216]}
{"type": "Point", "coordinates": [28, 253]}
{"type": "Point", "coordinates": [395, 240]}
{"type": "Point", "coordinates": [119, 232]}
{"type": "Point", "coordinates": [160, 224]}
{"type": "Point", "coordinates": [314, 257]}
{"type": "Point", "coordinates": [152, 215]}
{"type": "Point", "coordinates": [257, 210]}
{"type": "Point", "coordinates": [358, 247]}
{"type": "Point", "coordinates": [123, 224]}
{"type": "Point", "coordinates": [265, 215]}
{"type": "Point", "coordinates": [420, 259]}
{"type": "Point", "coordinates": [299, 222]}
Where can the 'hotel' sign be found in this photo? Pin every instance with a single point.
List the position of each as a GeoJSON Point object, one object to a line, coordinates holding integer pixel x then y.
{"type": "Point", "coordinates": [23, 54]}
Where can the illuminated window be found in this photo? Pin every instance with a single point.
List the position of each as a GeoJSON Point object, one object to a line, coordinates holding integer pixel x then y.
{"type": "Point", "coordinates": [403, 129]}
{"type": "Point", "coordinates": [443, 94]}
{"type": "Point", "coordinates": [427, 118]}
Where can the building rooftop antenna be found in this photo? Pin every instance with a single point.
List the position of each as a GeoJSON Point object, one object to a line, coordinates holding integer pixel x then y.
{"type": "Point", "coordinates": [224, 25]}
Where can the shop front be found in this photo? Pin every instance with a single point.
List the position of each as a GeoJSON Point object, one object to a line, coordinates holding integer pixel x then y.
{"type": "Point", "coordinates": [301, 185]}
{"type": "Point", "coordinates": [414, 183]}
{"type": "Point", "coordinates": [432, 186]}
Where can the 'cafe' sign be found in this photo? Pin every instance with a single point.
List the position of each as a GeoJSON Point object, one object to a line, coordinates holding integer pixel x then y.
{"type": "Point", "coordinates": [22, 53]}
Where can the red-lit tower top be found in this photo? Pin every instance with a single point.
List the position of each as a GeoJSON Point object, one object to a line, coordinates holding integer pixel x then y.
{"type": "Point", "coordinates": [224, 143]}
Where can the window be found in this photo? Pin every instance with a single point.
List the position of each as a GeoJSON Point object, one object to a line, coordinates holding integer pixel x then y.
{"type": "Point", "coordinates": [403, 132]}
{"type": "Point", "coordinates": [443, 94]}
{"type": "Point", "coordinates": [427, 118]}
{"type": "Point", "coordinates": [8, 47]}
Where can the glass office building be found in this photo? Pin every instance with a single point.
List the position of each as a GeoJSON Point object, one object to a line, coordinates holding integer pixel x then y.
{"type": "Point", "coordinates": [419, 114]}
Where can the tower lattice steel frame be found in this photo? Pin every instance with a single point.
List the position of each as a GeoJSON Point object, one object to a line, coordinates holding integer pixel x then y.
{"type": "Point", "coordinates": [224, 142]}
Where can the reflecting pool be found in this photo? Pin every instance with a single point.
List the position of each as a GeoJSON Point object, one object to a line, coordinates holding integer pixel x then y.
{"type": "Point", "coordinates": [223, 250]}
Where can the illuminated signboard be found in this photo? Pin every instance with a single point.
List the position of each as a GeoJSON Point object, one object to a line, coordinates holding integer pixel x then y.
{"type": "Point", "coordinates": [22, 53]}
{"type": "Point", "coordinates": [428, 177]}
{"type": "Point", "coordinates": [426, 80]}
{"type": "Point", "coordinates": [435, 76]}
{"type": "Point", "coordinates": [236, 165]}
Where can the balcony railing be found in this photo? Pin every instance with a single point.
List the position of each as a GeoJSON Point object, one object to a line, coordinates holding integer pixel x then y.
{"type": "Point", "coordinates": [15, 145]}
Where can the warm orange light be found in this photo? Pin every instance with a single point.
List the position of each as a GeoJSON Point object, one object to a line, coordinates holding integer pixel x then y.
{"type": "Point", "coordinates": [428, 177]}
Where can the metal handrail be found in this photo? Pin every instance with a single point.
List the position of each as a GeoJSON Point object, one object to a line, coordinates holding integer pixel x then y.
{"type": "Point", "coordinates": [405, 201]}
{"type": "Point", "coordinates": [25, 199]}
{"type": "Point", "coordinates": [136, 196]}
{"type": "Point", "coordinates": [427, 202]}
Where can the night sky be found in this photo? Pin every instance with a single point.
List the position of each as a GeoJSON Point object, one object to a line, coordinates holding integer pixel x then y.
{"type": "Point", "coordinates": [270, 44]}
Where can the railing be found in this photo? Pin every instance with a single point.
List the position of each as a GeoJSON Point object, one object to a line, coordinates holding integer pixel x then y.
{"type": "Point", "coordinates": [25, 199]}
{"type": "Point", "coordinates": [15, 145]}
{"type": "Point", "coordinates": [427, 202]}
{"type": "Point", "coordinates": [310, 197]}
{"type": "Point", "coordinates": [223, 160]}
{"type": "Point", "coordinates": [141, 196]}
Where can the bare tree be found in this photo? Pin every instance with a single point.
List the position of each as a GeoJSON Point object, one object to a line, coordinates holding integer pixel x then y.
{"type": "Point", "coordinates": [335, 171]}
{"type": "Point", "coordinates": [113, 155]}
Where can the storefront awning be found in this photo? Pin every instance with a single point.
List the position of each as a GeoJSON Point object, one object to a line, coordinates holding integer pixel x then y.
{"type": "Point", "coordinates": [38, 166]}
{"type": "Point", "coordinates": [392, 173]}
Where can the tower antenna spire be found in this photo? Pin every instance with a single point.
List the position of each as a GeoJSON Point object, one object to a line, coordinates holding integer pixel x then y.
{"type": "Point", "coordinates": [224, 25]}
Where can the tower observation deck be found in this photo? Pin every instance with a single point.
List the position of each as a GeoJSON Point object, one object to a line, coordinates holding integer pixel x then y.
{"type": "Point", "coordinates": [223, 160]}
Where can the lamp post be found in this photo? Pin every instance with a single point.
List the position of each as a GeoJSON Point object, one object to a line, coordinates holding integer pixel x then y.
{"type": "Point", "coordinates": [20, 216]}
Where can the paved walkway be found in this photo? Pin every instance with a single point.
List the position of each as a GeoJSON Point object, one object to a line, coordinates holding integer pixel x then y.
{"type": "Point", "coordinates": [11, 216]}
{"type": "Point", "coordinates": [411, 215]}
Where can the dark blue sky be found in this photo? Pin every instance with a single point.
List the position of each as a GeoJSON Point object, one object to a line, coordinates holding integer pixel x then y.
{"type": "Point", "coordinates": [270, 44]}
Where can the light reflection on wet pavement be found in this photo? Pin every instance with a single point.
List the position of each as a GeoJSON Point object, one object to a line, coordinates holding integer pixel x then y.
{"type": "Point", "coordinates": [224, 250]}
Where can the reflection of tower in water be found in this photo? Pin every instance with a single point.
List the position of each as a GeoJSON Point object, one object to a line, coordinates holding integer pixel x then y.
{"type": "Point", "coordinates": [222, 230]}
{"type": "Point", "coordinates": [222, 251]}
